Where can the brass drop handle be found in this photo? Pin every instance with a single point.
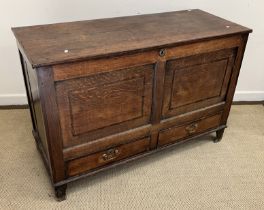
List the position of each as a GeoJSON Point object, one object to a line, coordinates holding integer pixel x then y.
{"type": "Point", "coordinates": [110, 154]}
{"type": "Point", "coordinates": [192, 128]}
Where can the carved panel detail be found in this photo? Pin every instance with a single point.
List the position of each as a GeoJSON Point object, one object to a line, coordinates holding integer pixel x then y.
{"type": "Point", "coordinates": [196, 81]}
{"type": "Point", "coordinates": [106, 105]}
{"type": "Point", "coordinates": [95, 106]}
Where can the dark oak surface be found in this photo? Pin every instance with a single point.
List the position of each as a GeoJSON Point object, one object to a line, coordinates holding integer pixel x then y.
{"type": "Point", "coordinates": [45, 44]}
{"type": "Point", "coordinates": [111, 155]}
{"type": "Point", "coordinates": [177, 133]}
{"type": "Point", "coordinates": [198, 80]}
{"type": "Point", "coordinates": [127, 87]}
{"type": "Point", "coordinates": [100, 105]}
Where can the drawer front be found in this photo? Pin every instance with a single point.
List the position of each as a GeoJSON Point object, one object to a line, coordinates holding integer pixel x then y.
{"type": "Point", "coordinates": [196, 81]}
{"type": "Point", "coordinates": [96, 106]}
{"type": "Point", "coordinates": [106, 157]}
{"type": "Point", "coordinates": [174, 134]}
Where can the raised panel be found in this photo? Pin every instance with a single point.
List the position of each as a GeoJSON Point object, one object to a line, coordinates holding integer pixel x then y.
{"type": "Point", "coordinates": [106, 105]}
{"type": "Point", "coordinates": [34, 103]}
{"type": "Point", "coordinates": [196, 81]}
{"type": "Point", "coordinates": [92, 107]}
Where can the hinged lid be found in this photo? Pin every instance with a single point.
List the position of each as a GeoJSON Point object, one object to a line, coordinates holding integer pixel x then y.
{"type": "Point", "coordinates": [65, 42]}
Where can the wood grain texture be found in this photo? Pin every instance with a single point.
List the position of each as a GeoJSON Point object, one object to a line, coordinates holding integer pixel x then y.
{"type": "Point", "coordinates": [177, 133]}
{"type": "Point", "coordinates": [81, 165]}
{"type": "Point", "coordinates": [197, 81]}
{"type": "Point", "coordinates": [157, 99]}
{"type": "Point", "coordinates": [45, 44]}
{"type": "Point", "coordinates": [130, 135]}
{"type": "Point", "coordinates": [136, 157]}
{"type": "Point", "coordinates": [158, 91]}
{"type": "Point", "coordinates": [127, 87]}
{"type": "Point", "coordinates": [189, 117]}
{"type": "Point", "coordinates": [52, 123]}
{"type": "Point", "coordinates": [104, 104]}
{"type": "Point", "coordinates": [234, 78]}
{"type": "Point", "coordinates": [96, 66]}
{"type": "Point", "coordinates": [27, 87]}
{"type": "Point", "coordinates": [32, 89]}
{"type": "Point", "coordinates": [106, 142]}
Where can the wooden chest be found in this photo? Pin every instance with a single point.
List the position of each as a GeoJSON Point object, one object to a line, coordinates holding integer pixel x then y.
{"type": "Point", "coordinates": [104, 92]}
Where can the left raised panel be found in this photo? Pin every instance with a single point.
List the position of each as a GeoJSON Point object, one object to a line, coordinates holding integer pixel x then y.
{"type": "Point", "coordinates": [96, 106]}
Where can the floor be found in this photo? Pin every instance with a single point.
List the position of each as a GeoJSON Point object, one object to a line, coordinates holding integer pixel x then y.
{"type": "Point", "coordinates": [195, 175]}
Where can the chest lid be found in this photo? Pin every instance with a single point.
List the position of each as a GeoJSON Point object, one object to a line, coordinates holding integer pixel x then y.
{"type": "Point", "coordinates": [66, 42]}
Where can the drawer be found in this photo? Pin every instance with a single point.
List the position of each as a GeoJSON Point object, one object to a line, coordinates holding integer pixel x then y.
{"type": "Point", "coordinates": [106, 157]}
{"type": "Point", "coordinates": [174, 134]}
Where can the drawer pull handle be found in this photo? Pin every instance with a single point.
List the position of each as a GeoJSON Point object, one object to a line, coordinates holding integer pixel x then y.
{"type": "Point", "coordinates": [162, 52]}
{"type": "Point", "coordinates": [110, 154]}
{"type": "Point", "coordinates": [191, 128]}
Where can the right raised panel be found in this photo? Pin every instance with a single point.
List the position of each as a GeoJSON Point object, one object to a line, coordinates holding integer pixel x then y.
{"type": "Point", "coordinates": [196, 81]}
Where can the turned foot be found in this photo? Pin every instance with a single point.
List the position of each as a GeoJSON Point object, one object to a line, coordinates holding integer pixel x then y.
{"type": "Point", "coordinates": [219, 135]}
{"type": "Point", "coordinates": [60, 192]}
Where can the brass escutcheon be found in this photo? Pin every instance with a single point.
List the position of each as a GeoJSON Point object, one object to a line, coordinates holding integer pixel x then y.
{"type": "Point", "coordinates": [162, 52]}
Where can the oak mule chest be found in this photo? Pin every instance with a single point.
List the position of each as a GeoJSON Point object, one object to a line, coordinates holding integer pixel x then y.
{"type": "Point", "coordinates": [104, 92]}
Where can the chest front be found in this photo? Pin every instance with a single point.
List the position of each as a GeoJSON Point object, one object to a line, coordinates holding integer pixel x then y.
{"type": "Point", "coordinates": [102, 93]}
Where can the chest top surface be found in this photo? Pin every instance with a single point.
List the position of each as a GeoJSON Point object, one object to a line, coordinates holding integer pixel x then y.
{"type": "Point", "coordinates": [65, 42]}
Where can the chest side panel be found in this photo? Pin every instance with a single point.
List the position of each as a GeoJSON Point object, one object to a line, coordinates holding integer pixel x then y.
{"type": "Point", "coordinates": [31, 83]}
